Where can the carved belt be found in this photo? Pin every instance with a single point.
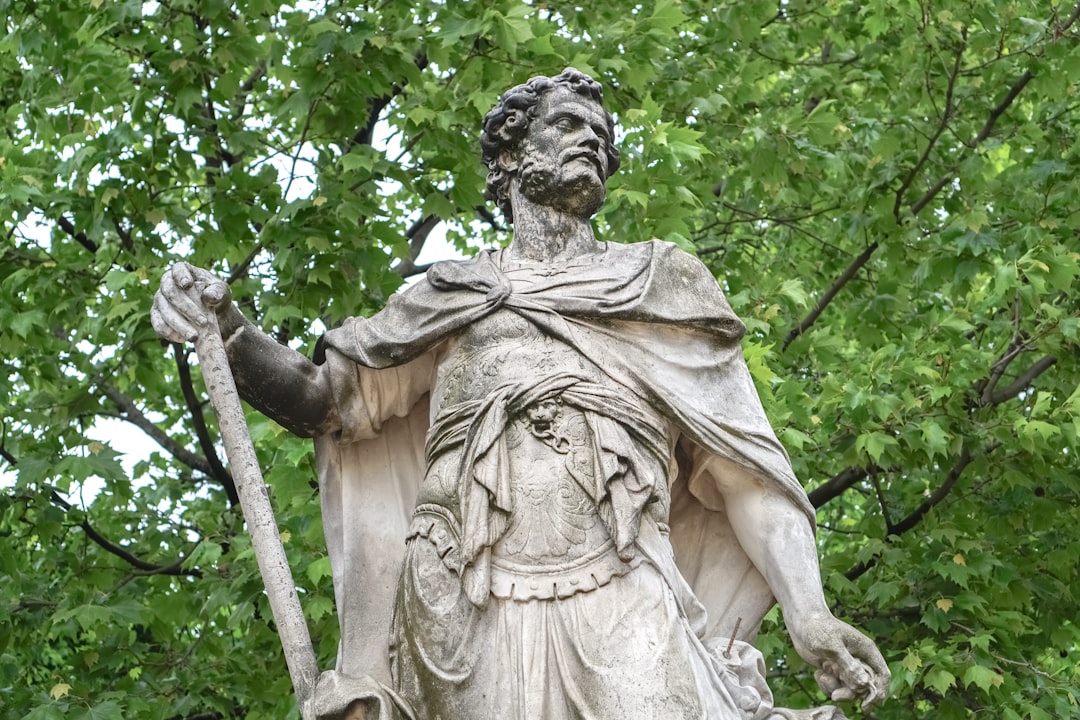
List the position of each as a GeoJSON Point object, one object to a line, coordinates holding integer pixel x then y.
{"type": "Point", "coordinates": [598, 568]}
{"type": "Point", "coordinates": [516, 581]}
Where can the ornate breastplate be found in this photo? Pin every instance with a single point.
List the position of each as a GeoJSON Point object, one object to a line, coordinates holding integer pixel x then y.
{"type": "Point", "coordinates": [552, 541]}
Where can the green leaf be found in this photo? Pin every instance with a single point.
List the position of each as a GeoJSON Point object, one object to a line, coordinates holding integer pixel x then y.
{"type": "Point", "coordinates": [666, 16]}
{"type": "Point", "coordinates": [108, 710]}
{"type": "Point", "coordinates": [318, 569]}
{"type": "Point", "coordinates": [912, 662]}
{"type": "Point", "coordinates": [51, 711]}
{"type": "Point", "coordinates": [939, 679]}
{"type": "Point", "coordinates": [935, 437]}
{"type": "Point", "coordinates": [756, 361]}
{"type": "Point", "coordinates": [874, 444]}
{"type": "Point", "coordinates": [983, 678]}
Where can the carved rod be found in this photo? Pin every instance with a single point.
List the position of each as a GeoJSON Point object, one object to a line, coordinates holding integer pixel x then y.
{"type": "Point", "coordinates": [258, 514]}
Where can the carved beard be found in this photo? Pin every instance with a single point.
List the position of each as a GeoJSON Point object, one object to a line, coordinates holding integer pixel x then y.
{"type": "Point", "coordinates": [542, 183]}
{"type": "Point", "coordinates": [538, 179]}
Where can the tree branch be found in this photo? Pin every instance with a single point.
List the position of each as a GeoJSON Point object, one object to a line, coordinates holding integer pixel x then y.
{"type": "Point", "coordinates": [218, 471]}
{"type": "Point", "coordinates": [985, 388]}
{"type": "Point", "coordinates": [79, 237]}
{"type": "Point", "coordinates": [995, 114]}
{"type": "Point", "coordinates": [827, 298]}
{"type": "Point", "coordinates": [132, 414]}
{"type": "Point", "coordinates": [1060, 29]}
{"type": "Point", "coordinates": [940, 494]}
{"type": "Point", "coordinates": [366, 133]}
{"type": "Point", "coordinates": [239, 102]}
{"type": "Point", "coordinates": [86, 242]}
{"type": "Point", "coordinates": [1023, 380]}
{"type": "Point", "coordinates": [8, 456]}
{"type": "Point", "coordinates": [1001, 107]}
{"type": "Point", "coordinates": [885, 514]}
{"type": "Point", "coordinates": [214, 163]}
{"type": "Point", "coordinates": [241, 270]}
{"type": "Point", "coordinates": [123, 233]}
{"type": "Point", "coordinates": [848, 477]}
{"type": "Point", "coordinates": [946, 115]}
{"type": "Point", "coordinates": [931, 194]}
{"type": "Point", "coordinates": [836, 485]}
{"type": "Point", "coordinates": [920, 512]}
{"type": "Point", "coordinates": [487, 216]}
{"type": "Point", "coordinates": [780, 220]}
{"type": "Point", "coordinates": [418, 235]}
{"type": "Point", "coordinates": [143, 566]}
{"type": "Point", "coordinates": [925, 200]}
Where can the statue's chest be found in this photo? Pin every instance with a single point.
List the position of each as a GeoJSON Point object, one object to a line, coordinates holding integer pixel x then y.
{"type": "Point", "coordinates": [503, 348]}
{"type": "Point", "coordinates": [502, 327]}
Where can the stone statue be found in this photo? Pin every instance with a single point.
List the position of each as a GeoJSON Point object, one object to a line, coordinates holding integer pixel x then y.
{"type": "Point", "coordinates": [547, 482]}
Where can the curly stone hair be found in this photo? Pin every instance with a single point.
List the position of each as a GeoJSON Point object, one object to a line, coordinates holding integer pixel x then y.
{"type": "Point", "coordinates": [507, 123]}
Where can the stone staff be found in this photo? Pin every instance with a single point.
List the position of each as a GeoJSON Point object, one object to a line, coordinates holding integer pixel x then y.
{"type": "Point", "coordinates": [258, 514]}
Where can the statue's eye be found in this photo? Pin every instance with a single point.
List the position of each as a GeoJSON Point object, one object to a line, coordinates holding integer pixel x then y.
{"type": "Point", "coordinates": [564, 123]}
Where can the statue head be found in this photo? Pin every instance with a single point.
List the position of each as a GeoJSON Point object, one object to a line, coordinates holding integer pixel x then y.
{"type": "Point", "coordinates": [506, 128]}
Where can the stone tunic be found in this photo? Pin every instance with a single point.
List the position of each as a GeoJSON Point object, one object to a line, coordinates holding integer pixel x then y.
{"type": "Point", "coordinates": [535, 611]}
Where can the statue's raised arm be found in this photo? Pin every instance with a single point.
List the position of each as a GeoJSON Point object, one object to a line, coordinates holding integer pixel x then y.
{"type": "Point", "coordinates": [278, 381]}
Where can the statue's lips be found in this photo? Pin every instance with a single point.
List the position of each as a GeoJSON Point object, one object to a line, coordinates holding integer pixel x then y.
{"type": "Point", "coordinates": [589, 157]}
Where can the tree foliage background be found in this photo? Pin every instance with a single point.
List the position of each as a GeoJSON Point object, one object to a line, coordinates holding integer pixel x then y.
{"type": "Point", "coordinates": [887, 190]}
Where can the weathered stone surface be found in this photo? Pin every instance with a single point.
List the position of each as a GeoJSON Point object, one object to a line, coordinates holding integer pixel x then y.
{"type": "Point", "coordinates": [548, 485]}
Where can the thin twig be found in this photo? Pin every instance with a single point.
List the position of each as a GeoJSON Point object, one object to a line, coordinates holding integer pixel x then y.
{"type": "Point", "coordinates": [219, 472]}
{"type": "Point", "coordinates": [918, 207]}
{"type": "Point", "coordinates": [827, 298]}
{"type": "Point", "coordinates": [881, 501]}
{"type": "Point", "coordinates": [131, 413]}
{"type": "Point", "coordinates": [142, 566]}
{"type": "Point", "coordinates": [946, 115]}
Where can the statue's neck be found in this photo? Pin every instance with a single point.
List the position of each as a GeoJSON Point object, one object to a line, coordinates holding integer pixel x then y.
{"type": "Point", "coordinates": [544, 234]}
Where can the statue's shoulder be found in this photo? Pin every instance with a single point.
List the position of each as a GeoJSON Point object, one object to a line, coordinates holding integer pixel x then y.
{"type": "Point", "coordinates": [448, 274]}
{"type": "Point", "coordinates": [664, 257]}
{"type": "Point", "coordinates": [659, 250]}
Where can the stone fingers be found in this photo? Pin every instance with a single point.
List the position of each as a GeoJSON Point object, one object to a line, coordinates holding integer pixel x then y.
{"type": "Point", "coordinates": [858, 674]}
{"type": "Point", "coordinates": [871, 665]}
{"type": "Point", "coordinates": [879, 689]}
{"type": "Point", "coordinates": [168, 323]}
{"type": "Point", "coordinates": [216, 294]}
{"type": "Point", "coordinates": [827, 679]}
{"type": "Point", "coordinates": [185, 298]}
{"type": "Point", "coordinates": [854, 676]}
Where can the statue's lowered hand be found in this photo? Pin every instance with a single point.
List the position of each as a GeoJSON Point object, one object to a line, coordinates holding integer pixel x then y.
{"type": "Point", "coordinates": [849, 664]}
{"type": "Point", "coordinates": [182, 304]}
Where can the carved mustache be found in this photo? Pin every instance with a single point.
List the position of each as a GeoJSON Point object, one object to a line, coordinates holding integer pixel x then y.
{"type": "Point", "coordinates": [586, 154]}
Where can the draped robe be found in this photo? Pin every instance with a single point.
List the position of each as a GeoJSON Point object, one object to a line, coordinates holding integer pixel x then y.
{"type": "Point", "coordinates": [654, 320]}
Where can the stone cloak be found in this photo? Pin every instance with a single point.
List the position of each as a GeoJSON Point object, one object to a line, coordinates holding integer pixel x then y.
{"type": "Point", "coordinates": [650, 316]}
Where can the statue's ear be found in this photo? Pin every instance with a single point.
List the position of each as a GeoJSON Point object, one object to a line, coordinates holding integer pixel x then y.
{"type": "Point", "coordinates": [507, 161]}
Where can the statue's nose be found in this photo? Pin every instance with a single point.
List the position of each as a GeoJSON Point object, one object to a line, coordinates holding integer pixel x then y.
{"type": "Point", "coordinates": [590, 139]}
